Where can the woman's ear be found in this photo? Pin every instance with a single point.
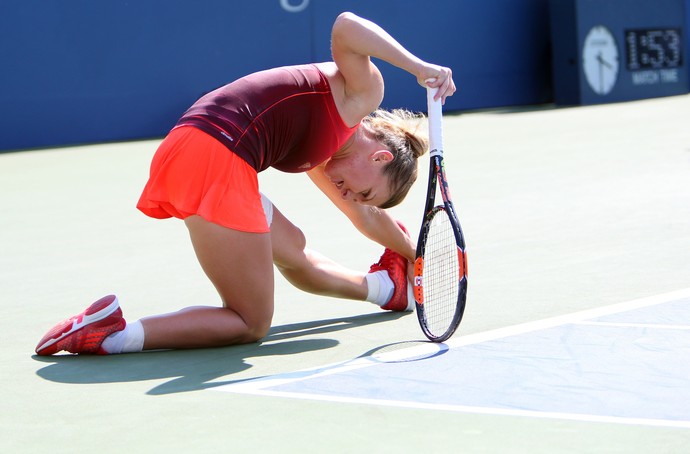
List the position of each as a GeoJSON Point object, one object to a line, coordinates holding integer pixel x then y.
{"type": "Point", "coordinates": [382, 156]}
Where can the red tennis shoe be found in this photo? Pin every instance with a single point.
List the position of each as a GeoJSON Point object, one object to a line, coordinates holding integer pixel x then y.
{"type": "Point", "coordinates": [396, 266]}
{"type": "Point", "coordinates": [84, 333]}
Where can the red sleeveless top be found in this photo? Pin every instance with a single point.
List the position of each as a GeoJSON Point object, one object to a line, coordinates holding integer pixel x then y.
{"type": "Point", "coordinates": [284, 118]}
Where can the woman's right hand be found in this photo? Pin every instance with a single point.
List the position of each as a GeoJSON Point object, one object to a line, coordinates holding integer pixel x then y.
{"type": "Point", "coordinates": [440, 77]}
{"type": "Point", "coordinates": [354, 40]}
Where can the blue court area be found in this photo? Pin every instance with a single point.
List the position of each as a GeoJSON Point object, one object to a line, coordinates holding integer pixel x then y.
{"type": "Point", "coordinates": [628, 363]}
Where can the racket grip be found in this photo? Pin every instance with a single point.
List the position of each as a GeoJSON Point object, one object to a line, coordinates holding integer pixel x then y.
{"type": "Point", "coordinates": [435, 112]}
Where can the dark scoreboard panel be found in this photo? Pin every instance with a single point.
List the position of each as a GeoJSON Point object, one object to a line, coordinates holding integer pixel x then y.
{"type": "Point", "coordinates": [618, 50]}
{"type": "Point", "coordinates": [653, 48]}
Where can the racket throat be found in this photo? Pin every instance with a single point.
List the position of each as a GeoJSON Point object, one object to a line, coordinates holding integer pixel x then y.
{"type": "Point", "coordinates": [418, 286]}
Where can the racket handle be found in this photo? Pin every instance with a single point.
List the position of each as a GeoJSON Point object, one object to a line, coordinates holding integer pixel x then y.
{"type": "Point", "coordinates": [435, 111]}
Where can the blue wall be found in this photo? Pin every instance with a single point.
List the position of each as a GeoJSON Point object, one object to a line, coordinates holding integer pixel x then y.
{"type": "Point", "coordinates": [83, 71]}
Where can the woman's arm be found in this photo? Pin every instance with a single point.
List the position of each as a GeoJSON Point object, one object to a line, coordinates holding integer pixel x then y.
{"type": "Point", "coordinates": [354, 40]}
{"type": "Point", "coordinates": [374, 223]}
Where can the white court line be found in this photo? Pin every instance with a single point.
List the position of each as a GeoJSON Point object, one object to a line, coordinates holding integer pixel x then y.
{"type": "Point", "coordinates": [574, 317]}
{"type": "Point", "coordinates": [477, 410]}
{"type": "Point", "coordinates": [260, 386]}
{"type": "Point", "coordinates": [636, 325]}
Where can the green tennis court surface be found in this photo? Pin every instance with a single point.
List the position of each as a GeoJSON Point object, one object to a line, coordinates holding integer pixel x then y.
{"type": "Point", "coordinates": [564, 211]}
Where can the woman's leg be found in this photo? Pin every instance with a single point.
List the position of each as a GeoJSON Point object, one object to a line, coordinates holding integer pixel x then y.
{"type": "Point", "coordinates": [308, 270]}
{"type": "Point", "coordinates": [240, 267]}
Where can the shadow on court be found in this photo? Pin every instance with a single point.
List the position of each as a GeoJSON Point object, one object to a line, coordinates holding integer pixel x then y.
{"type": "Point", "coordinates": [194, 370]}
{"type": "Point", "coordinates": [406, 351]}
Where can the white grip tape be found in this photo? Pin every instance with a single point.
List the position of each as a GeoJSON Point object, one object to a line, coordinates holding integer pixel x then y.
{"type": "Point", "coordinates": [435, 110]}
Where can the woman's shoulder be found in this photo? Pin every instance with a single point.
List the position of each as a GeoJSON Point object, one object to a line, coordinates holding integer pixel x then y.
{"type": "Point", "coordinates": [353, 107]}
{"type": "Point", "coordinates": [332, 74]}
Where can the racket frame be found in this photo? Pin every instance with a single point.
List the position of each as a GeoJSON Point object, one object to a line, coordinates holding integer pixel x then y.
{"type": "Point", "coordinates": [437, 179]}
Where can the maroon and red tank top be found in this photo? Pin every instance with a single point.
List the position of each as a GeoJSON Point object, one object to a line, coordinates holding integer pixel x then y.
{"type": "Point", "coordinates": [284, 118]}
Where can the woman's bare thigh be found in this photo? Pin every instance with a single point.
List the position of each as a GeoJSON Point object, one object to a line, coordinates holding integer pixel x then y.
{"type": "Point", "coordinates": [240, 266]}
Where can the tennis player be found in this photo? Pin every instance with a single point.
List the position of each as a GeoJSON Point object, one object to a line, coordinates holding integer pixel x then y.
{"type": "Point", "coordinates": [321, 119]}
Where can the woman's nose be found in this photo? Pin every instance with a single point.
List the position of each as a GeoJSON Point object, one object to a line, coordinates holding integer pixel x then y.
{"type": "Point", "coordinates": [348, 195]}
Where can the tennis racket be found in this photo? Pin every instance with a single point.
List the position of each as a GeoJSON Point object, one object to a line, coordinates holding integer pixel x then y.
{"type": "Point", "coordinates": [440, 268]}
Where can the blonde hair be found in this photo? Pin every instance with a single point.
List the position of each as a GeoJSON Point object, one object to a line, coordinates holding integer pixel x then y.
{"type": "Point", "coordinates": [401, 132]}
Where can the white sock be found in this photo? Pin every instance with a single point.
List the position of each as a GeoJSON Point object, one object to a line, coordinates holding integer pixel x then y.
{"type": "Point", "coordinates": [380, 287]}
{"type": "Point", "coordinates": [410, 297]}
{"type": "Point", "coordinates": [129, 340]}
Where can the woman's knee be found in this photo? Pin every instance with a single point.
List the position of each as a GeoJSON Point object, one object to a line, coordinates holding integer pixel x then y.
{"type": "Point", "coordinates": [251, 324]}
{"type": "Point", "coordinates": [288, 243]}
{"type": "Point", "coordinates": [256, 330]}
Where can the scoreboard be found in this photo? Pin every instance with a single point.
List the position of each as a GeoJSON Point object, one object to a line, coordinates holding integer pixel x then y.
{"type": "Point", "coordinates": [618, 50]}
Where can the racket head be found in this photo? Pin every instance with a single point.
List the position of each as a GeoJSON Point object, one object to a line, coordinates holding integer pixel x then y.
{"type": "Point", "coordinates": [440, 283]}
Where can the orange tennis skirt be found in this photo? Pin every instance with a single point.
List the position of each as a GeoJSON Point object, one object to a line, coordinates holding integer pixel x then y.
{"type": "Point", "coordinates": [194, 174]}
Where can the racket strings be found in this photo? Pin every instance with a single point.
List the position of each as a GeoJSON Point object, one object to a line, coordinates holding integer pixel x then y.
{"type": "Point", "coordinates": [441, 274]}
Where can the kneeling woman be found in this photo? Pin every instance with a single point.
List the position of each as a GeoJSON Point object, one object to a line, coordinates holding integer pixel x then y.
{"type": "Point", "coordinates": [321, 119]}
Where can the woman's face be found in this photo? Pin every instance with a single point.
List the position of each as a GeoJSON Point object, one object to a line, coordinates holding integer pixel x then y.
{"type": "Point", "coordinates": [358, 174]}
